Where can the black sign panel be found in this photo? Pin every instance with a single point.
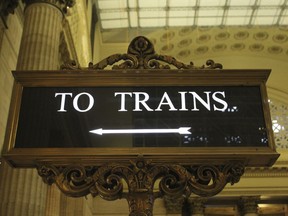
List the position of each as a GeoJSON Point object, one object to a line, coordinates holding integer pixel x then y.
{"type": "Point", "coordinates": [175, 116]}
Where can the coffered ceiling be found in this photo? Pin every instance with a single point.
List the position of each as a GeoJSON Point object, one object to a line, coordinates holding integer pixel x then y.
{"type": "Point", "coordinates": [233, 47]}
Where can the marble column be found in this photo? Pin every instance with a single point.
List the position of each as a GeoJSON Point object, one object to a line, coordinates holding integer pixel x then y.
{"type": "Point", "coordinates": [248, 206]}
{"type": "Point", "coordinates": [71, 206]}
{"type": "Point", "coordinates": [39, 48]}
{"type": "Point", "coordinates": [22, 191]}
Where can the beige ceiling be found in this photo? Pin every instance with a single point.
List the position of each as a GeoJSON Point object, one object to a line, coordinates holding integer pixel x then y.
{"type": "Point", "coordinates": [233, 47]}
{"type": "Point", "coordinates": [250, 47]}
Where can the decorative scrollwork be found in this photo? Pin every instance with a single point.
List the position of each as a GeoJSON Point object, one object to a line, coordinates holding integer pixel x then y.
{"type": "Point", "coordinates": [175, 182]}
{"type": "Point", "coordinates": [140, 177]}
{"type": "Point", "coordinates": [141, 55]}
{"type": "Point", "coordinates": [73, 180]}
{"type": "Point", "coordinates": [48, 173]}
{"type": "Point", "coordinates": [72, 65]}
{"type": "Point", "coordinates": [234, 172]}
{"type": "Point", "coordinates": [209, 180]}
{"type": "Point", "coordinates": [109, 184]}
{"type": "Point", "coordinates": [130, 62]}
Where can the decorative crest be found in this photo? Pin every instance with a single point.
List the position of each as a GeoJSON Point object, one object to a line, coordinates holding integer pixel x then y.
{"type": "Point", "coordinates": [141, 55]}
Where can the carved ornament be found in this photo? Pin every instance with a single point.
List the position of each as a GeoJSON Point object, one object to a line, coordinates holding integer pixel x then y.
{"type": "Point", "coordinates": [140, 176]}
{"type": "Point", "coordinates": [141, 55]}
{"type": "Point", "coordinates": [7, 7]}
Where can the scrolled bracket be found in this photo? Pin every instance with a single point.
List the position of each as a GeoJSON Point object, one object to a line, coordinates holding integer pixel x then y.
{"type": "Point", "coordinates": [141, 55]}
{"type": "Point", "coordinates": [140, 176]}
{"type": "Point", "coordinates": [209, 180]}
{"type": "Point", "coordinates": [48, 173]}
{"type": "Point", "coordinates": [73, 180]}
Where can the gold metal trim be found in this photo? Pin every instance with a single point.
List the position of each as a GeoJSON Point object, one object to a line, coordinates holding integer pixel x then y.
{"type": "Point", "coordinates": [140, 176]}
{"type": "Point", "coordinates": [263, 156]}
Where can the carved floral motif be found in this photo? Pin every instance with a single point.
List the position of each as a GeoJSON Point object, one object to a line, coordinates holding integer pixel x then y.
{"type": "Point", "coordinates": [140, 176]}
{"type": "Point", "coordinates": [141, 55]}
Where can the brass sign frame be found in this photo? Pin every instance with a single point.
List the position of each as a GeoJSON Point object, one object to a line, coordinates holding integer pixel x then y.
{"type": "Point", "coordinates": [29, 157]}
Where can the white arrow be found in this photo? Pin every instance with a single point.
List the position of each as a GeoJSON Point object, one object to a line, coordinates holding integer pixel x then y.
{"type": "Point", "coordinates": [181, 130]}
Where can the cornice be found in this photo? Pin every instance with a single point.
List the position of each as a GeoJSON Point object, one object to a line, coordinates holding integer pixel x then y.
{"type": "Point", "coordinates": [266, 172]}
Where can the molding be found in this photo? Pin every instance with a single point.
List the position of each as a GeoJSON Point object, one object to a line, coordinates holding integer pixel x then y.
{"type": "Point", "coordinates": [276, 94]}
{"type": "Point", "coordinates": [265, 172]}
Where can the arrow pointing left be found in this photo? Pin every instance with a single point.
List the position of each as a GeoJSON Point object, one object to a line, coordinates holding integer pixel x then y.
{"type": "Point", "coordinates": [180, 130]}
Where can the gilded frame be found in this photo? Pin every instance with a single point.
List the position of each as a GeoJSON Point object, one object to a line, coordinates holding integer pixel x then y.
{"type": "Point", "coordinates": [30, 157]}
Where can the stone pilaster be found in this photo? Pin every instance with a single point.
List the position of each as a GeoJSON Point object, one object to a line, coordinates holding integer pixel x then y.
{"type": "Point", "coordinates": [248, 206]}
{"type": "Point", "coordinates": [52, 201]}
{"type": "Point", "coordinates": [22, 191]}
{"type": "Point", "coordinates": [71, 206]}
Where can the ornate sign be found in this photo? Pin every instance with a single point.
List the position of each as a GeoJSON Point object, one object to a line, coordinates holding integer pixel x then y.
{"type": "Point", "coordinates": [162, 114]}
{"type": "Point", "coordinates": [150, 116]}
{"type": "Point", "coordinates": [89, 129]}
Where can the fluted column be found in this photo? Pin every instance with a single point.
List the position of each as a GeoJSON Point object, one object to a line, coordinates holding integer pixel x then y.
{"type": "Point", "coordinates": [53, 201]}
{"type": "Point", "coordinates": [248, 206]}
{"type": "Point", "coordinates": [22, 191]}
{"type": "Point", "coordinates": [39, 48]}
{"type": "Point", "coordinates": [71, 206]}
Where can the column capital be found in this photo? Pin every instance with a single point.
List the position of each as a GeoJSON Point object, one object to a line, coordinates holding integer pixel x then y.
{"type": "Point", "coordinates": [173, 205]}
{"type": "Point", "coordinates": [197, 205]}
{"type": "Point", "coordinates": [6, 7]}
{"type": "Point", "coordinates": [248, 204]}
{"type": "Point", "coordinates": [63, 5]}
